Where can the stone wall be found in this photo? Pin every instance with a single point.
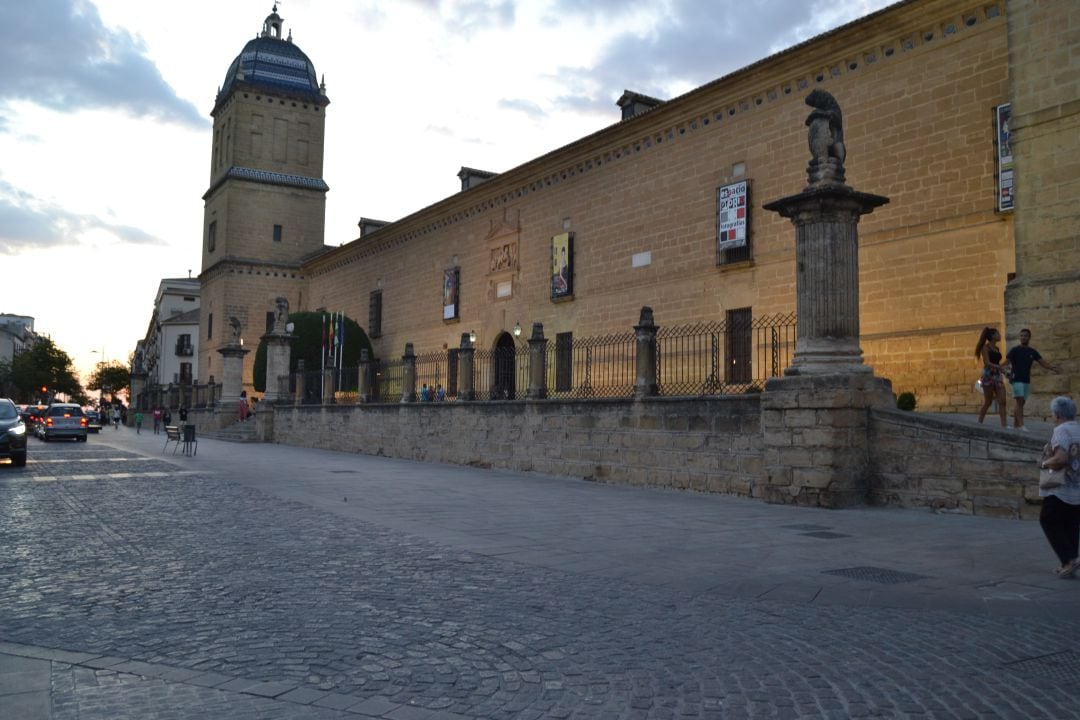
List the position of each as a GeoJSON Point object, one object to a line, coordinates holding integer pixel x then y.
{"type": "Point", "coordinates": [708, 444]}
{"type": "Point", "coordinates": [918, 461]}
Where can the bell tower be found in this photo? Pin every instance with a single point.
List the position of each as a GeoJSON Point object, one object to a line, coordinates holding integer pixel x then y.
{"type": "Point", "coordinates": [264, 211]}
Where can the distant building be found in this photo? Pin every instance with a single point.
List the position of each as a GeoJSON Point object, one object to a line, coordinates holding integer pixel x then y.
{"type": "Point", "coordinates": [16, 334]}
{"type": "Point", "coordinates": [171, 345]}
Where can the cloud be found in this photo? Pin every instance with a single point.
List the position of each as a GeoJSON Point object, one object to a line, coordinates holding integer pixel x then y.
{"type": "Point", "coordinates": [465, 17]}
{"type": "Point", "coordinates": [59, 54]}
{"type": "Point", "coordinates": [695, 41]}
{"type": "Point", "coordinates": [528, 107]}
{"type": "Point", "coordinates": [27, 223]}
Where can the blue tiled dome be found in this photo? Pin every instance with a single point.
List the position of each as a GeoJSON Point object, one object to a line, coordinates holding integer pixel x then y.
{"type": "Point", "coordinates": [271, 64]}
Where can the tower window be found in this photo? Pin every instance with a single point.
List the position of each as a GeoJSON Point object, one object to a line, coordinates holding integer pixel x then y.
{"type": "Point", "coordinates": [211, 236]}
{"type": "Point", "coordinates": [210, 326]}
{"type": "Point", "coordinates": [277, 233]}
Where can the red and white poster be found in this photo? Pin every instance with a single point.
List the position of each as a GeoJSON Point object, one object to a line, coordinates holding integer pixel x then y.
{"type": "Point", "coordinates": [732, 212]}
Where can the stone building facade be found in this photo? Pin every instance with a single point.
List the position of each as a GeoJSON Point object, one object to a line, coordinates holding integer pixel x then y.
{"type": "Point", "coordinates": [918, 82]}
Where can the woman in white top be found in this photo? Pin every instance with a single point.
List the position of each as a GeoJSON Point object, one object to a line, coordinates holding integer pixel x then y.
{"type": "Point", "coordinates": [1060, 516]}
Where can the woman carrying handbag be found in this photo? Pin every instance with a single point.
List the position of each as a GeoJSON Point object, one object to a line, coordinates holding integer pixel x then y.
{"type": "Point", "coordinates": [1059, 487]}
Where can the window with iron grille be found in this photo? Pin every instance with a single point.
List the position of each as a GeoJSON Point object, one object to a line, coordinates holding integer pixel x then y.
{"type": "Point", "coordinates": [375, 314]}
{"type": "Point", "coordinates": [739, 350]}
{"type": "Point", "coordinates": [185, 373]}
{"type": "Point", "coordinates": [564, 362]}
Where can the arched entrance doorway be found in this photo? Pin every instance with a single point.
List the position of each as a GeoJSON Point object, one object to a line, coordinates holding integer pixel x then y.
{"type": "Point", "coordinates": [502, 370]}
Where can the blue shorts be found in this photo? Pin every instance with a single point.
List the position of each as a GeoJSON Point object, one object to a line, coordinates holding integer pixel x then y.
{"type": "Point", "coordinates": [1021, 390]}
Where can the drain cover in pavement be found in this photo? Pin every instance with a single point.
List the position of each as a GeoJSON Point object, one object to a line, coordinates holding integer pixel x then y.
{"type": "Point", "coordinates": [824, 535]}
{"type": "Point", "coordinates": [1057, 666]}
{"type": "Point", "coordinates": [805, 527]}
{"type": "Point", "coordinates": [875, 574]}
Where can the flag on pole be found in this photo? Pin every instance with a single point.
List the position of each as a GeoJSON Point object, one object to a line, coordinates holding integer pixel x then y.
{"type": "Point", "coordinates": [341, 336]}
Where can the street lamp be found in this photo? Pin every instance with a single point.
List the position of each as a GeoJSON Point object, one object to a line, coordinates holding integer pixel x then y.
{"type": "Point", "coordinates": [101, 366]}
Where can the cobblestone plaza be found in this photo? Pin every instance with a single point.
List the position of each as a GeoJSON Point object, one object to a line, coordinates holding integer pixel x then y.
{"type": "Point", "coordinates": [258, 581]}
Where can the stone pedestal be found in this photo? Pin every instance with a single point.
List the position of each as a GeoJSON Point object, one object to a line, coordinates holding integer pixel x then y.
{"type": "Point", "coordinates": [826, 219]}
{"type": "Point", "coordinates": [537, 364]}
{"type": "Point", "coordinates": [277, 364]}
{"type": "Point", "coordinates": [466, 389]}
{"type": "Point", "coordinates": [815, 430]}
{"type": "Point", "coordinates": [408, 375]}
{"type": "Point", "coordinates": [645, 336]}
{"type": "Point", "coordinates": [232, 375]}
{"type": "Point", "coordinates": [139, 400]}
{"type": "Point", "coordinates": [363, 386]}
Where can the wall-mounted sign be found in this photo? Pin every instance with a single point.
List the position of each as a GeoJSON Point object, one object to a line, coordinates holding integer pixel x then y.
{"type": "Point", "coordinates": [451, 281]}
{"type": "Point", "coordinates": [562, 266]}
{"type": "Point", "coordinates": [732, 202]}
{"type": "Point", "coordinates": [1002, 116]}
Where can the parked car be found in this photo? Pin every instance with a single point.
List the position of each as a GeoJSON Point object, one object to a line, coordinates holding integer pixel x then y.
{"type": "Point", "coordinates": [64, 420]}
{"type": "Point", "coordinates": [93, 420]}
{"type": "Point", "coordinates": [12, 433]}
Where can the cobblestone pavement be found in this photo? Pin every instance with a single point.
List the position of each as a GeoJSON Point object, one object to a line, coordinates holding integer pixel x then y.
{"type": "Point", "coordinates": [176, 593]}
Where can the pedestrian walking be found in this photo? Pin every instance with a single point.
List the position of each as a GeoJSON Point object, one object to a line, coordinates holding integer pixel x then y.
{"type": "Point", "coordinates": [116, 418]}
{"type": "Point", "coordinates": [992, 381]}
{"type": "Point", "coordinates": [183, 416]}
{"type": "Point", "coordinates": [138, 422]}
{"type": "Point", "coordinates": [166, 417]}
{"type": "Point", "coordinates": [157, 420]}
{"type": "Point", "coordinates": [242, 408]}
{"type": "Point", "coordinates": [1021, 358]}
{"type": "Point", "coordinates": [1060, 515]}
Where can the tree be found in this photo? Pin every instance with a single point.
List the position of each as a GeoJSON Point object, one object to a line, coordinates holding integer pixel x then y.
{"type": "Point", "coordinates": [307, 345]}
{"type": "Point", "coordinates": [43, 365]}
{"type": "Point", "coordinates": [111, 378]}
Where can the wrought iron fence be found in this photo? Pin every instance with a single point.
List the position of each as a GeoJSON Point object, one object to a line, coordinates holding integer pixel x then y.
{"type": "Point", "coordinates": [725, 357]}
{"type": "Point", "coordinates": [715, 358]}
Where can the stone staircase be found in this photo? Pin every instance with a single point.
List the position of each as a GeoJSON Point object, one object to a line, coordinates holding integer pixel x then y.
{"type": "Point", "coordinates": [241, 432]}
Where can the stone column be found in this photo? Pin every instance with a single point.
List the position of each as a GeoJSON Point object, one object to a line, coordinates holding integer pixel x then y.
{"type": "Point", "coordinates": [327, 386]}
{"type": "Point", "coordinates": [278, 352]}
{"type": "Point", "coordinates": [815, 420]}
{"type": "Point", "coordinates": [645, 334]}
{"type": "Point", "coordinates": [466, 390]}
{"type": "Point", "coordinates": [211, 393]}
{"type": "Point", "coordinates": [537, 364]}
{"type": "Point", "coordinates": [298, 399]}
{"type": "Point", "coordinates": [826, 220]}
{"type": "Point", "coordinates": [232, 375]}
{"type": "Point", "coordinates": [408, 375]}
{"type": "Point", "coordinates": [363, 388]}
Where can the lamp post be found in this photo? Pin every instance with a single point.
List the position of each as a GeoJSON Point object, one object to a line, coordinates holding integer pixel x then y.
{"type": "Point", "coordinates": [101, 367]}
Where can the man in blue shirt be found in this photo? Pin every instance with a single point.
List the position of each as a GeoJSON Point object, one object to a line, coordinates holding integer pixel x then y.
{"type": "Point", "coordinates": [1020, 359]}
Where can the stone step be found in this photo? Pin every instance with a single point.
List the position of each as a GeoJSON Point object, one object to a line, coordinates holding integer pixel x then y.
{"type": "Point", "coordinates": [237, 432]}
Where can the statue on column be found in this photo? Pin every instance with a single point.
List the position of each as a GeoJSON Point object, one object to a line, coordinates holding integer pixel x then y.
{"type": "Point", "coordinates": [234, 326]}
{"type": "Point", "coordinates": [281, 315]}
{"type": "Point", "coordinates": [826, 137]}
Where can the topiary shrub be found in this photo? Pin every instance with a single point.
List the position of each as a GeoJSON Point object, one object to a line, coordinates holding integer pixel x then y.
{"type": "Point", "coordinates": [307, 345]}
{"type": "Point", "coordinates": [906, 401]}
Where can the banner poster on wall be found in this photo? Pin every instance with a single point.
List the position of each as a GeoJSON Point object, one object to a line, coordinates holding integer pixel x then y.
{"type": "Point", "coordinates": [731, 215]}
{"type": "Point", "coordinates": [451, 280]}
{"type": "Point", "coordinates": [1002, 116]}
{"type": "Point", "coordinates": [562, 266]}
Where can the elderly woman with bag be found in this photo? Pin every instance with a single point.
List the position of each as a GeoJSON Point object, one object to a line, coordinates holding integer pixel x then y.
{"type": "Point", "coordinates": [1059, 487]}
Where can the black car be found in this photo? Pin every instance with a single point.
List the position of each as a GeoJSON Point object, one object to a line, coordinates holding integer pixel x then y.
{"type": "Point", "coordinates": [12, 434]}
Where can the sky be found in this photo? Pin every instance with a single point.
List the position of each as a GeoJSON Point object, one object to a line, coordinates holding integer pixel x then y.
{"type": "Point", "coordinates": [105, 127]}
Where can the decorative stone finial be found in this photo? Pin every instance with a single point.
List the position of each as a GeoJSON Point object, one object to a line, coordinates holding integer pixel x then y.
{"type": "Point", "coordinates": [645, 319]}
{"type": "Point", "coordinates": [826, 137]}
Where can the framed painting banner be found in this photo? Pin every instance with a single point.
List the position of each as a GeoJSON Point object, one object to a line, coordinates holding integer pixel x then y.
{"type": "Point", "coordinates": [562, 266]}
{"type": "Point", "coordinates": [1002, 116]}
{"type": "Point", "coordinates": [450, 297]}
{"type": "Point", "coordinates": [732, 215]}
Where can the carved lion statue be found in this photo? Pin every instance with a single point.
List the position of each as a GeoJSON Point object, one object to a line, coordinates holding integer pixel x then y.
{"type": "Point", "coordinates": [826, 125]}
